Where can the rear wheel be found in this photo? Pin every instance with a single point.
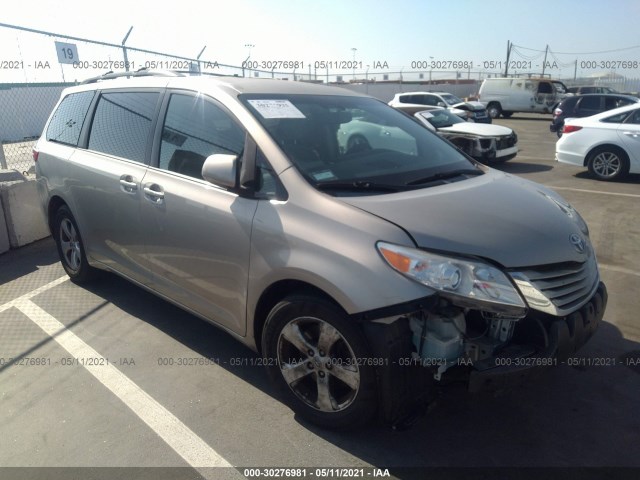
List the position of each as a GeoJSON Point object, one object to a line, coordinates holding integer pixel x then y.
{"type": "Point", "coordinates": [70, 247]}
{"type": "Point", "coordinates": [608, 163]}
{"type": "Point", "coordinates": [318, 359]}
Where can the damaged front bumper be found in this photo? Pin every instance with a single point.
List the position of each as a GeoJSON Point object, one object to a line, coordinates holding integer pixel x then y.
{"type": "Point", "coordinates": [563, 336]}
{"type": "Point", "coordinates": [411, 374]}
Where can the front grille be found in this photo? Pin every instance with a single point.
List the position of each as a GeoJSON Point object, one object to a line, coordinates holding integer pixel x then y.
{"type": "Point", "coordinates": [558, 289]}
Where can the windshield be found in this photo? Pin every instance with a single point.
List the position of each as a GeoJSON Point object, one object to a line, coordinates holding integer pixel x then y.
{"type": "Point", "coordinates": [355, 141]}
{"type": "Point", "coordinates": [451, 99]}
{"type": "Point", "coordinates": [440, 118]}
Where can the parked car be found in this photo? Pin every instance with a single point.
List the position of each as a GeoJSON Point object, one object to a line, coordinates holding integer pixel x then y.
{"type": "Point", "coordinates": [486, 143]}
{"type": "Point", "coordinates": [585, 106]}
{"type": "Point", "coordinates": [365, 278]}
{"type": "Point", "coordinates": [504, 96]}
{"type": "Point", "coordinates": [586, 89]}
{"type": "Point", "coordinates": [473, 111]}
{"type": "Point", "coordinates": [608, 143]}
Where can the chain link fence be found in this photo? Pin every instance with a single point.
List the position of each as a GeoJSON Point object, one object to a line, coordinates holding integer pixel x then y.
{"type": "Point", "coordinates": [35, 66]}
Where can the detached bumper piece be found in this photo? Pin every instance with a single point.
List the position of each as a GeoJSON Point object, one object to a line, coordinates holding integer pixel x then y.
{"type": "Point", "coordinates": [562, 337]}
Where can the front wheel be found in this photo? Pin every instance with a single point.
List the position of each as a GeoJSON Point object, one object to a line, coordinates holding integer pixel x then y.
{"type": "Point", "coordinates": [494, 110]}
{"type": "Point", "coordinates": [608, 163]}
{"type": "Point", "coordinates": [320, 362]}
{"type": "Point", "coordinates": [70, 247]}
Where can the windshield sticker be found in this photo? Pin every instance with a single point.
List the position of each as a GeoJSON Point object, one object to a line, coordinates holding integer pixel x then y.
{"type": "Point", "coordinates": [426, 115]}
{"type": "Point", "coordinates": [323, 175]}
{"type": "Point", "coordinates": [276, 109]}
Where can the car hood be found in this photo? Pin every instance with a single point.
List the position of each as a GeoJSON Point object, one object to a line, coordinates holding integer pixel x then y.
{"type": "Point", "coordinates": [470, 105]}
{"type": "Point", "coordinates": [512, 221]}
{"type": "Point", "coordinates": [482, 129]}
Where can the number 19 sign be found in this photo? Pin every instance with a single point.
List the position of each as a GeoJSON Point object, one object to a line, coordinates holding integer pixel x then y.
{"type": "Point", "coordinates": [67, 52]}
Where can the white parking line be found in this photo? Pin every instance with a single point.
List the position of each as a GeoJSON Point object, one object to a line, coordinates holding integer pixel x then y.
{"type": "Point", "coordinates": [33, 293]}
{"type": "Point", "coordinates": [193, 449]}
{"type": "Point", "coordinates": [633, 195]}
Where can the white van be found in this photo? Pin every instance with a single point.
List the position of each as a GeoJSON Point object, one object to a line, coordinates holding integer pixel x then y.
{"type": "Point", "coordinates": [503, 96]}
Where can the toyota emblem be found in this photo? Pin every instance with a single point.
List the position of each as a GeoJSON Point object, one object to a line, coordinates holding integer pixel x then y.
{"type": "Point", "coordinates": [577, 242]}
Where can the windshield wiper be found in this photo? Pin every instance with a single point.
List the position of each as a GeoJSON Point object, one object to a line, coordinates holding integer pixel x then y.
{"type": "Point", "coordinates": [445, 175]}
{"type": "Point", "coordinates": [359, 185]}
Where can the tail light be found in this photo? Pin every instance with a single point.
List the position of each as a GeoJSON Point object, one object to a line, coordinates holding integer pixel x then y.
{"type": "Point", "coordinates": [35, 155]}
{"type": "Point", "coordinates": [570, 128]}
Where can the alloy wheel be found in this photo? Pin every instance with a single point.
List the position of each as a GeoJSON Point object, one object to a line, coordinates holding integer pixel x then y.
{"type": "Point", "coordinates": [70, 245]}
{"type": "Point", "coordinates": [318, 364]}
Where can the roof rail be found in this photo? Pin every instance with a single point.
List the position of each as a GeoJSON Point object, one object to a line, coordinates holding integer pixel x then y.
{"type": "Point", "coordinates": [142, 72]}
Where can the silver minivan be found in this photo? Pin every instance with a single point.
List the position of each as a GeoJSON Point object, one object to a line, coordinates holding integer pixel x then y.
{"type": "Point", "coordinates": [367, 270]}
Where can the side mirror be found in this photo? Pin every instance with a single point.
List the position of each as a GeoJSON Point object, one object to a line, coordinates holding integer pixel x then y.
{"type": "Point", "coordinates": [441, 104]}
{"type": "Point", "coordinates": [221, 169]}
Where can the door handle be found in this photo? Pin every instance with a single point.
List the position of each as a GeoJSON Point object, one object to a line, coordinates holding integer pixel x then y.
{"type": "Point", "coordinates": [128, 184]}
{"type": "Point", "coordinates": [153, 192]}
{"type": "Point", "coordinates": [631, 134]}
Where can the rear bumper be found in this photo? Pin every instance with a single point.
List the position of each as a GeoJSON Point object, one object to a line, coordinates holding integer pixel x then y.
{"type": "Point", "coordinates": [569, 158]}
{"type": "Point", "coordinates": [564, 336]}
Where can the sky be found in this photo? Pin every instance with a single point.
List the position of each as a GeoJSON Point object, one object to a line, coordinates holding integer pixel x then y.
{"type": "Point", "coordinates": [390, 35]}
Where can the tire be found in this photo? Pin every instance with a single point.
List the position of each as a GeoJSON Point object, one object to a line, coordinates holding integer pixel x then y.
{"type": "Point", "coordinates": [507, 114]}
{"type": "Point", "coordinates": [316, 358]}
{"type": "Point", "coordinates": [494, 110]}
{"type": "Point", "coordinates": [608, 163]}
{"type": "Point", "coordinates": [70, 247]}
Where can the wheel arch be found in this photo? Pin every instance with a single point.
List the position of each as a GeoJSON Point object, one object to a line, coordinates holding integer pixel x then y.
{"type": "Point", "coordinates": [601, 146]}
{"type": "Point", "coordinates": [54, 204]}
{"type": "Point", "coordinates": [276, 292]}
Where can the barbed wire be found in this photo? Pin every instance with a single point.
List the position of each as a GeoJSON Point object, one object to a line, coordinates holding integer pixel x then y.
{"type": "Point", "coordinates": [582, 53]}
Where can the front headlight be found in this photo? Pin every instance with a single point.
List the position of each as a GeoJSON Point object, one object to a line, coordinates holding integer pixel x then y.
{"type": "Point", "coordinates": [453, 277]}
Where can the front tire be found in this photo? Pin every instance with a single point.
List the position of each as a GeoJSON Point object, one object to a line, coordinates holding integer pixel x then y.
{"type": "Point", "coordinates": [70, 247]}
{"type": "Point", "coordinates": [494, 110]}
{"type": "Point", "coordinates": [319, 361]}
{"type": "Point", "coordinates": [608, 163]}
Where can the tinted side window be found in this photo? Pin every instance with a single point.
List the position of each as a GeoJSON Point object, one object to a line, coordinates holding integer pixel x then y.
{"type": "Point", "coordinates": [635, 118]}
{"type": "Point", "coordinates": [545, 87]}
{"type": "Point", "coordinates": [619, 118]}
{"type": "Point", "coordinates": [195, 128]}
{"type": "Point", "coordinates": [590, 103]}
{"type": "Point", "coordinates": [67, 122]}
{"type": "Point", "coordinates": [122, 123]}
{"type": "Point", "coordinates": [612, 102]}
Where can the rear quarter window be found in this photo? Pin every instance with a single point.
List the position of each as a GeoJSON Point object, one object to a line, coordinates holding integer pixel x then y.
{"type": "Point", "coordinates": [122, 124]}
{"type": "Point", "coordinates": [66, 123]}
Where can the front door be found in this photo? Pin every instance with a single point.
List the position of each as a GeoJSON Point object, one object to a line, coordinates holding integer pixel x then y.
{"type": "Point", "coordinates": [197, 235]}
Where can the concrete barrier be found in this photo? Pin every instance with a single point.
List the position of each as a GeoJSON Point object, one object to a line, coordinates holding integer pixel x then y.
{"type": "Point", "coordinates": [21, 218]}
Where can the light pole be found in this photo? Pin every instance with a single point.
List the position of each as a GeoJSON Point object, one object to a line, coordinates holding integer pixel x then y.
{"type": "Point", "coordinates": [198, 59]}
{"type": "Point", "coordinates": [354, 50]}
{"type": "Point", "coordinates": [430, 71]}
{"type": "Point", "coordinates": [249, 46]}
